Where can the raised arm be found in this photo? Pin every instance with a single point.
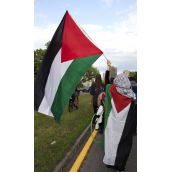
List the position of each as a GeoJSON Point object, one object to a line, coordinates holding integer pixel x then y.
{"type": "Point", "coordinates": [107, 81]}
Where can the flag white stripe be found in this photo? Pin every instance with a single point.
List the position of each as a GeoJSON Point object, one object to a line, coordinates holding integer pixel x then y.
{"type": "Point", "coordinates": [57, 71]}
{"type": "Point", "coordinates": [113, 133]}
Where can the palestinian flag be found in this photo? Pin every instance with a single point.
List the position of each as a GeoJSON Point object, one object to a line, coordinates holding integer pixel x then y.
{"type": "Point", "coordinates": [70, 54]}
{"type": "Point", "coordinates": [118, 128]}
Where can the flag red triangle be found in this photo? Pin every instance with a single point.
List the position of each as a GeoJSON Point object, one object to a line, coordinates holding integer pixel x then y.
{"type": "Point", "coordinates": [74, 43]}
{"type": "Point", "coordinates": [119, 100]}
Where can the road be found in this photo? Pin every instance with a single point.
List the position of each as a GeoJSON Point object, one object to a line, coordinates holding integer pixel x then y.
{"type": "Point", "coordinates": [93, 162]}
{"type": "Point", "coordinates": [82, 93]}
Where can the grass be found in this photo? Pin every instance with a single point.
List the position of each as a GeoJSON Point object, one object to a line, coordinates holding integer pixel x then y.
{"type": "Point", "coordinates": [47, 130]}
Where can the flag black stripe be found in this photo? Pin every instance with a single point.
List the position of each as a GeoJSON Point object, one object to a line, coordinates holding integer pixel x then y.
{"type": "Point", "coordinates": [44, 70]}
{"type": "Point", "coordinates": [125, 143]}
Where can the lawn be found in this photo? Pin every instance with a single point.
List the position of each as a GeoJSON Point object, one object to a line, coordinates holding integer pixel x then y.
{"type": "Point", "coordinates": [47, 130]}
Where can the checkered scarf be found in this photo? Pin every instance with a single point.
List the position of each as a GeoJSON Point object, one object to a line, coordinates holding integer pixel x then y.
{"type": "Point", "coordinates": [123, 85]}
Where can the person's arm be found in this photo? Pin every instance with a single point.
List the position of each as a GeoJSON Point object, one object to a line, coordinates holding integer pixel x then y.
{"type": "Point", "coordinates": [91, 95]}
{"type": "Point", "coordinates": [108, 65]}
{"type": "Point", "coordinates": [91, 100]}
{"type": "Point", "coordinates": [107, 81]}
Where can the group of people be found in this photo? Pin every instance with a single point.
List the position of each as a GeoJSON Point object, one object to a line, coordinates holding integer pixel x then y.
{"type": "Point", "coordinates": [118, 96]}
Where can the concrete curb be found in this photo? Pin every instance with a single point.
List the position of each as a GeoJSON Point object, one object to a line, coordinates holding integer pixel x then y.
{"type": "Point", "coordinates": [70, 154]}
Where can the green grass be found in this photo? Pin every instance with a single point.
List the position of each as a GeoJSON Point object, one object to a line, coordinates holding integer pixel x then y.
{"type": "Point", "coordinates": [47, 130]}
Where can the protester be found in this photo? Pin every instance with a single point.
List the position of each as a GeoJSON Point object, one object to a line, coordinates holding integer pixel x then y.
{"type": "Point", "coordinates": [107, 81]}
{"type": "Point", "coordinates": [119, 114]}
{"type": "Point", "coordinates": [107, 73]}
{"type": "Point", "coordinates": [134, 88]}
{"type": "Point", "coordinates": [95, 90]}
{"type": "Point", "coordinates": [101, 97]}
{"type": "Point", "coordinates": [75, 95]}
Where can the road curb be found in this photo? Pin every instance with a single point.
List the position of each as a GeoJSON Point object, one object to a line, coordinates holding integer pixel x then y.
{"type": "Point", "coordinates": [60, 167]}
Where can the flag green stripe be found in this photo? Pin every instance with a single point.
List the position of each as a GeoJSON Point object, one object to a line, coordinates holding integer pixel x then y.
{"type": "Point", "coordinates": [108, 108]}
{"type": "Point", "coordinates": [69, 82]}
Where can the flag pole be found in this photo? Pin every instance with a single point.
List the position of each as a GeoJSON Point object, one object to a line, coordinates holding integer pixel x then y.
{"type": "Point", "coordinates": [105, 56]}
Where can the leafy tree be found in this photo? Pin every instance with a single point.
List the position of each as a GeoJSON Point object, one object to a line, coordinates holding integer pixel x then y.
{"type": "Point", "coordinates": [80, 85]}
{"type": "Point", "coordinates": [37, 63]}
{"type": "Point", "coordinates": [133, 74]}
{"type": "Point", "coordinates": [47, 44]}
{"type": "Point", "coordinates": [89, 75]}
{"type": "Point", "coordinates": [40, 53]}
{"type": "Point", "coordinates": [38, 56]}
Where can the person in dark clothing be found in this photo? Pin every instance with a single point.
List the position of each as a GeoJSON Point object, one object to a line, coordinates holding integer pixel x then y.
{"type": "Point", "coordinates": [101, 97]}
{"type": "Point", "coordinates": [75, 95]}
{"type": "Point", "coordinates": [98, 85]}
{"type": "Point", "coordinates": [107, 80]}
{"type": "Point", "coordinates": [134, 88]}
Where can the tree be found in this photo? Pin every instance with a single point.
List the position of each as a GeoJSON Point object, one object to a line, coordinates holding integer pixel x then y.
{"type": "Point", "coordinates": [47, 44]}
{"type": "Point", "coordinates": [39, 53]}
{"type": "Point", "coordinates": [89, 75]}
{"type": "Point", "coordinates": [80, 85]}
{"type": "Point", "coordinates": [37, 63]}
{"type": "Point", "coordinates": [133, 74]}
{"type": "Point", "coordinates": [38, 56]}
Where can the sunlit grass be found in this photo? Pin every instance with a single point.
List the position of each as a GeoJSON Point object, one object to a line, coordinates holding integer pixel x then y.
{"type": "Point", "coordinates": [47, 130]}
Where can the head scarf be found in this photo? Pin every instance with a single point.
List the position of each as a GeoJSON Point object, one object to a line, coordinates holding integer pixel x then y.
{"type": "Point", "coordinates": [123, 85]}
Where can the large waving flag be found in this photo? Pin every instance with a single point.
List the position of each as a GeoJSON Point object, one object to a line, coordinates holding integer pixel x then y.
{"type": "Point", "coordinates": [70, 54]}
{"type": "Point", "coordinates": [118, 130]}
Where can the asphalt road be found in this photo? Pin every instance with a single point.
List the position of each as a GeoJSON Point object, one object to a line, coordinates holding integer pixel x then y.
{"type": "Point", "coordinates": [82, 93]}
{"type": "Point", "coordinates": [93, 162]}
